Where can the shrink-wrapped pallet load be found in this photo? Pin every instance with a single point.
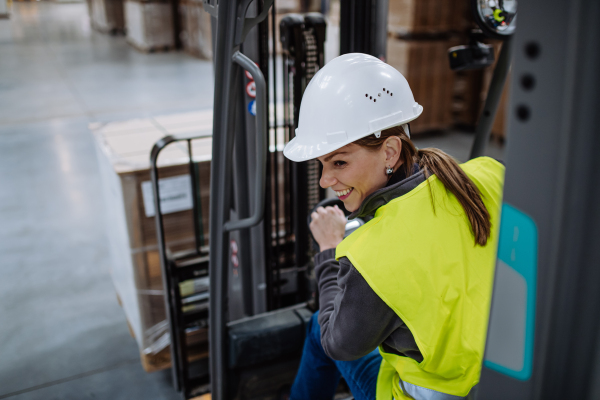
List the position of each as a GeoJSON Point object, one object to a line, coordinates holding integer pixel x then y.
{"type": "Point", "coordinates": [195, 32]}
{"type": "Point", "coordinates": [150, 25]}
{"type": "Point", "coordinates": [123, 151]}
{"type": "Point", "coordinates": [4, 9]}
{"type": "Point", "coordinates": [107, 16]}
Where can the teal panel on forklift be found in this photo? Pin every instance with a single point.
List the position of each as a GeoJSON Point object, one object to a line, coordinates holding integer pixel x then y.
{"type": "Point", "coordinates": [512, 320]}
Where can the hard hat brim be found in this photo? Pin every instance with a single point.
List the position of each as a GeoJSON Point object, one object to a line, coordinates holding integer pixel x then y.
{"type": "Point", "coordinates": [297, 151]}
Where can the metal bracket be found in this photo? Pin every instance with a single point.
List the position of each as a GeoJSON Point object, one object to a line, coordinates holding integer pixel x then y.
{"type": "Point", "coordinates": [210, 8]}
{"type": "Point", "coordinates": [244, 25]}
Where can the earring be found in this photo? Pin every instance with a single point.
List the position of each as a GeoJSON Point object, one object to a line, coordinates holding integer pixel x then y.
{"type": "Point", "coordinates": [389, 170]}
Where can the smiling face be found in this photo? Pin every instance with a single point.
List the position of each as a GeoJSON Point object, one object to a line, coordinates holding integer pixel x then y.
{"type": "Point", "coordinates": [354, 172]}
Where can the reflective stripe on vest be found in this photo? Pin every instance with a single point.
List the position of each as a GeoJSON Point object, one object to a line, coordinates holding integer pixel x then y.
{"type": "Point", "coordinates": [418, 254]}
{"type": "Point", "coordinates": [420, 393]}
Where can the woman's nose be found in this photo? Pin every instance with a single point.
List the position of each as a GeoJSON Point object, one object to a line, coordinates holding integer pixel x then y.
{"type": "Point", "coordinates": [327, 179]}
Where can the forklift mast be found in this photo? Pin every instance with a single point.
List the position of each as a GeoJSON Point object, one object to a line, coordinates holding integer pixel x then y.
{"type": "Point", "coordinates": [259, 251]}
{"type": "Point", "coordinates": [363, 27]}
{"type": "Point", "coordinates": [302, 42]}
{"type": "Point", "coordinates": [258, 262]}
{"type": "Point", "coordinates": [544, 332]}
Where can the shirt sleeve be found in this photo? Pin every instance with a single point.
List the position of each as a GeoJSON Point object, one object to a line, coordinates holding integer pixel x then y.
{"type": "Point", "coordinates": [353, 318]}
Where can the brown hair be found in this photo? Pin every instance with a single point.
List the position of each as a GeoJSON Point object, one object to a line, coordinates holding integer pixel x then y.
{"type": "Point", "coordinates": [435, 162]}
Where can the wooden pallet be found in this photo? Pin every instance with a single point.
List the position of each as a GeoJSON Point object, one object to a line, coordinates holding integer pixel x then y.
{"type": "Point", "coordinates": [151, 49]}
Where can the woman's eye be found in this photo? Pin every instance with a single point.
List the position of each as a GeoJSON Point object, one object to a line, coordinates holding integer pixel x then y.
{"type": "Point", "coordinates": [339, 163]}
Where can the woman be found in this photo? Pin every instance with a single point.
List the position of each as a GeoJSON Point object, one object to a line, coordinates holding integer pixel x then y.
{"type": "Point", "coordinates": [404, 300]}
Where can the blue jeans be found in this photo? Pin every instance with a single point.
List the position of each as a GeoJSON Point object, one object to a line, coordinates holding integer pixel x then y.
{"type": "Point", "coordinates": [319, 375]}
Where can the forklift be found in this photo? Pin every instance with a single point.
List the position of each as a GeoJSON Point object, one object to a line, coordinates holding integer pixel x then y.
{"type": "Point", "coordinates": [255, 292]}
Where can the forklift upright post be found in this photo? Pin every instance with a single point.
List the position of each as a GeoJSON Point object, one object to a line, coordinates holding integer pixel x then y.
{"type": "Point", "coordinates": [225, 73]}
{"type": "Point", "coordinates": [232, 27]}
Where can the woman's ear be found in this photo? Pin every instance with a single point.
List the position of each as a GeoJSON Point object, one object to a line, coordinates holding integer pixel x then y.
{"type": "Point", "coordinates": [392, 148]}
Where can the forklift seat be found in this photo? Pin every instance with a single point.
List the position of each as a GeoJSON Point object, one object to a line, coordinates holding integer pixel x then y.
{"type": "Point", "coordinates": [268, 336]}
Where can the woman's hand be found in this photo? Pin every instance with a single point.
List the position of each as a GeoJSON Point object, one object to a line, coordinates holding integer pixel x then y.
{"type": "Point", "coordinates": [328, 226]}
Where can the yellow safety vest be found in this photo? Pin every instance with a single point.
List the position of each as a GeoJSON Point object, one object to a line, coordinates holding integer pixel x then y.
{"type": "Point", "coordinates": [423, 262]}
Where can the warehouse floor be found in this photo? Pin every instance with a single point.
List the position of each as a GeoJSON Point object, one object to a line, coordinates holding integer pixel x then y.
{"type": "Point", "coordinates": [62, 333]}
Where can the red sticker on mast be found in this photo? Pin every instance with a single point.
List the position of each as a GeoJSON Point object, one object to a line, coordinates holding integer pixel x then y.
{"type": "Point", "coordinates": [251, 89]}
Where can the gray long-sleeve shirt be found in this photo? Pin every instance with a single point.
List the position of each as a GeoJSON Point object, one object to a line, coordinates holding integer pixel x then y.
{"type": "Point", "coordinates": [353, 318]}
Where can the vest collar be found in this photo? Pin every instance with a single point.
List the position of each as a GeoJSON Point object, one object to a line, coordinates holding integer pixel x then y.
{"type": "Point", "coordinates": [398, 186]}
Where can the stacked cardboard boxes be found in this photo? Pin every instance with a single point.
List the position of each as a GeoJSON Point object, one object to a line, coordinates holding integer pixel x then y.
{"type": "Point", "coordinates": [424, 63]}
{"type": "Point", "coordinates": [123, 151]}
{"type": "Point", "coordinates": [4, 9]}
{"type": "Point", "coordinates": [149, 25]}
{"type": "Point", "coordinates": [427, 17]}
{"type": "Point", "coordinates": [107, 16]}
{"type": "Point", "coordinates": [420, 32]}
{"type": "Point", "coordinates": [195, 32]}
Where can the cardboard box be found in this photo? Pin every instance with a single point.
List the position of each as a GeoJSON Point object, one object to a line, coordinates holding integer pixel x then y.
{"type": "Point", "coordinates": [423, 17]}
{"type": "Point", "coordinates": [107, 16]}
{"type": "Point", "coordinates": [123, 151]}
{"type": "Point", "coordinates": [149, 25]}
{"type": "Point", "coordinates": [424, 64]}
{"type": "Point", "coordinates": [4, 9]}
{"type": "Point", "coordinates": [195, 29]}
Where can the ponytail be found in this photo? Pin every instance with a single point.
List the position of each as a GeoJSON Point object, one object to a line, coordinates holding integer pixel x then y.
{"type": "Point", "coordinates": [435, 162]}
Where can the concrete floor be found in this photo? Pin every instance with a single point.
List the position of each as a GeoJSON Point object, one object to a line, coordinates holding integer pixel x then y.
{"type": "Point", "coordinates": [62, 332]}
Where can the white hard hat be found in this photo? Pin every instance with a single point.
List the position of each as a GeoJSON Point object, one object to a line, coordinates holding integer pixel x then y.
{"type": "Point", "coordinates": [351, 97]}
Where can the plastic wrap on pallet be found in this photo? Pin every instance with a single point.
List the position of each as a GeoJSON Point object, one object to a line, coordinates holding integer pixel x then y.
{"type": "Point", "coordinates": [107, 16]}
{"type": "Point", "coordinates": [149, 25]}
{"type": "Point", "coordinates": [123, 152]}
{"type": "Point", "coordinates": [195, 29]}
{"type": "Point", "coordinates": [3, 9]}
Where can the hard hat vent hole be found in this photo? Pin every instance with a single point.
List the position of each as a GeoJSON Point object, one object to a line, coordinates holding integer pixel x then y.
{"type": "Point", "coordinates": [388, 92]}
{"type": "Point", "coordinates": [370, 97]}
{"type": "Point", "coordinates": [366, 95]}
{"type": "Point", "coordinates": [391, 94]}
{"type": "Point", "coordinates": [374, 100]}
